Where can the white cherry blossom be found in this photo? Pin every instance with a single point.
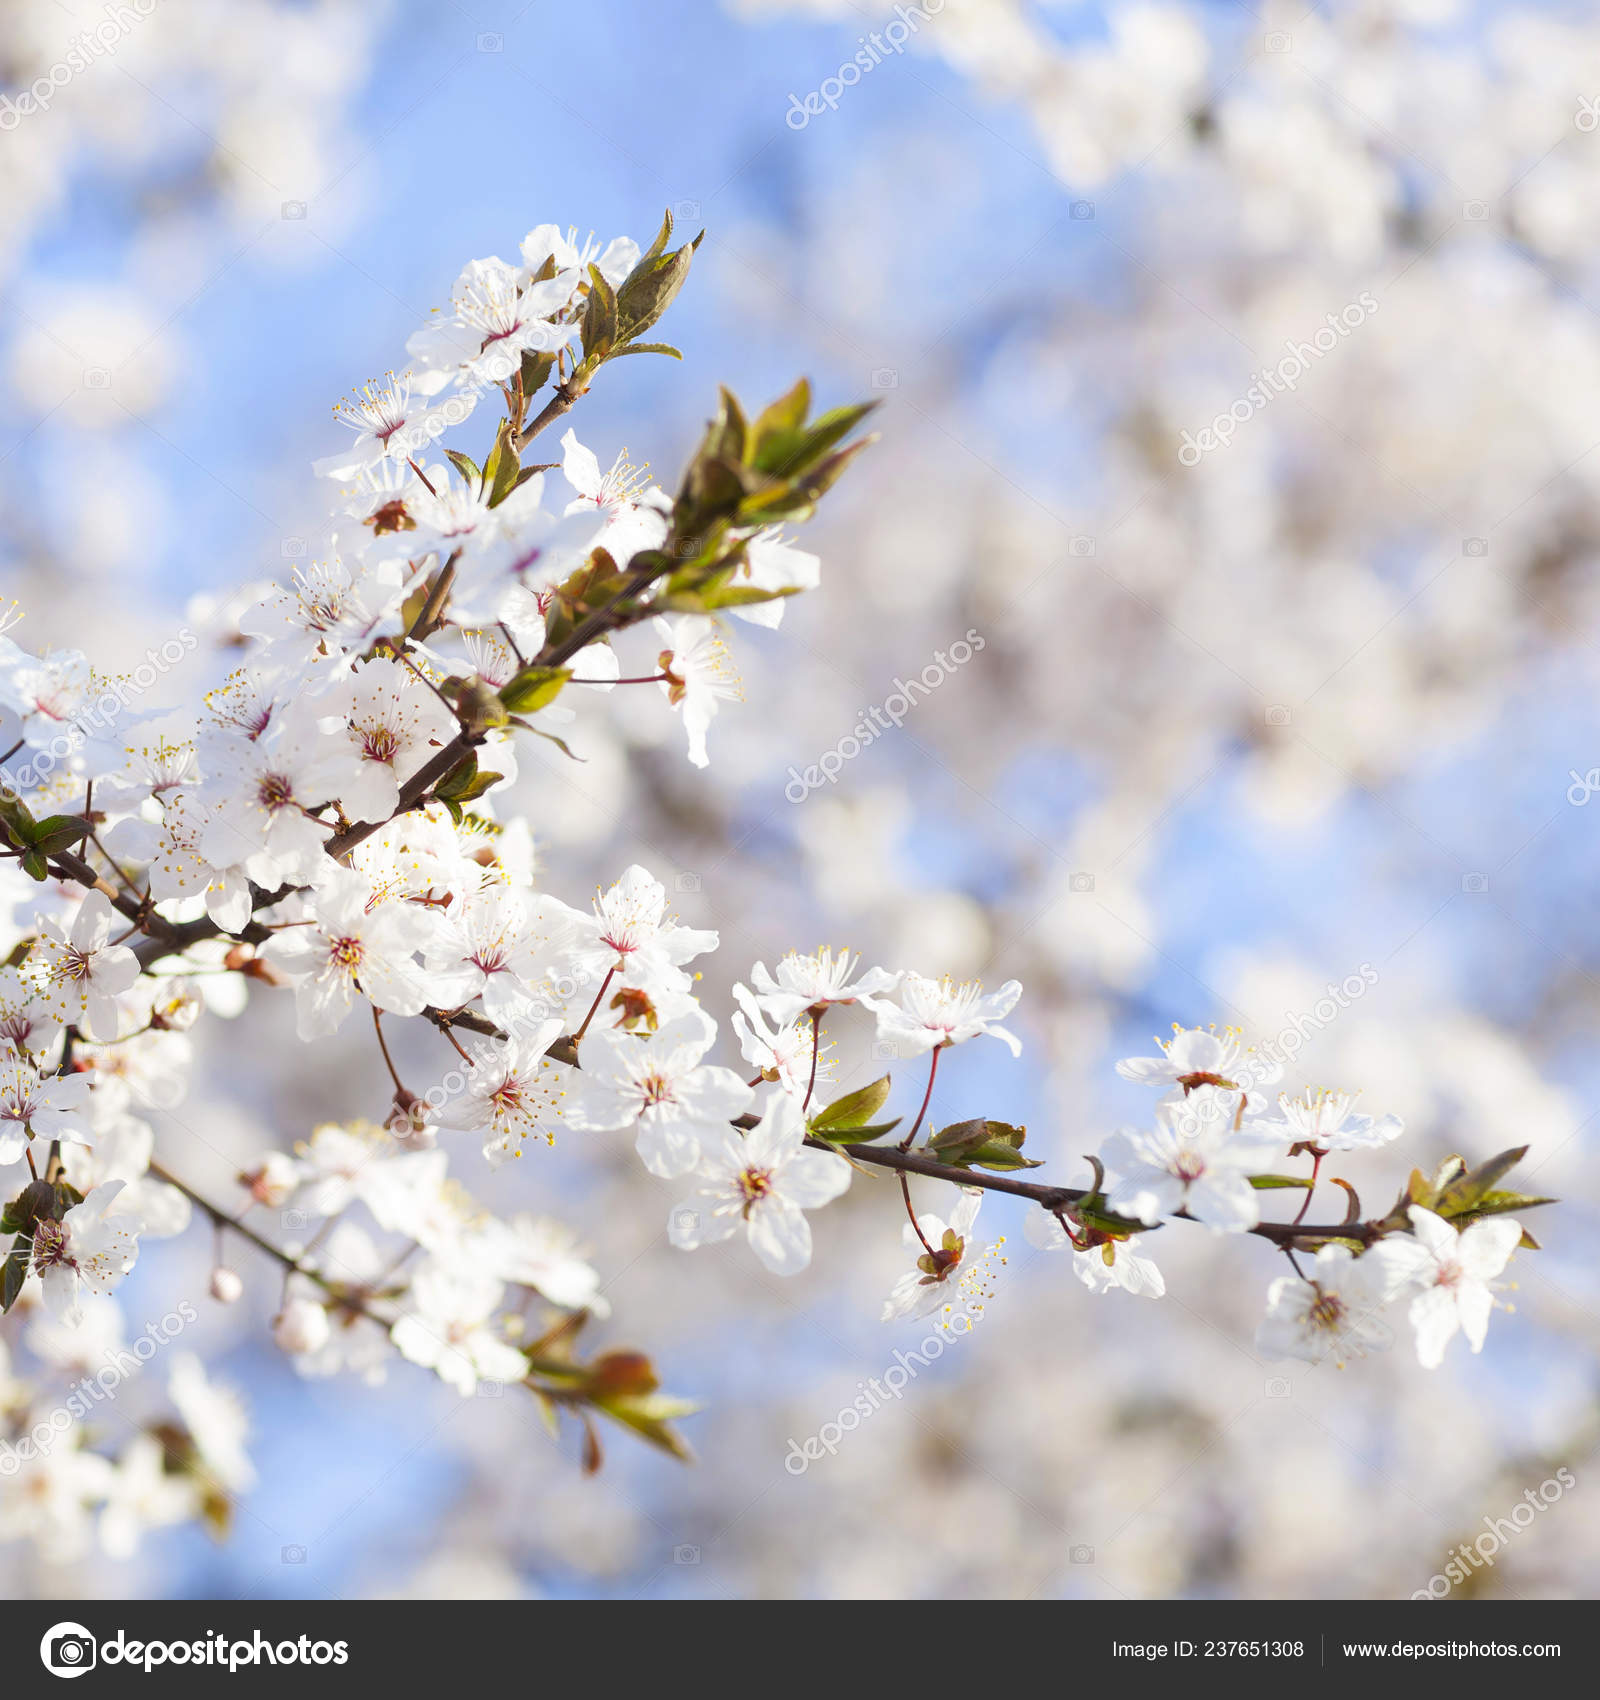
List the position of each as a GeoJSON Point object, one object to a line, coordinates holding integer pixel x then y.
{"type": "Point", "coordinates": [930, 1014]}
{"type": "Point", "coordinates": [659, 1086]}
{"type": "Point", "coordinates": [1450, 1273]}
{"type": "Point", "coordinates": [953, 1271]}
{"type": "Point", "coordinates": [83, 1251]}
{"type": "Point", "coordinates": [765, 1182]}
{"type": "Point", "coordinates": [79, 972]}
{"type": "Point", "coordinates": [815, 982]}
{"type": "Point", "coordinates": [1192, 1160]}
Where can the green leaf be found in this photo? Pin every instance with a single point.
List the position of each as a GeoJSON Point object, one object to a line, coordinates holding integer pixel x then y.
{"type": "Point", "coordinates": [37, 1198]}
{"type": "Point", "coordinates": [599, 317]}
{"type": "Point", "coordinates": [56, 833]}
{"type": "Point", "coordinates": [656, 248]}
{"type": "Point", "coordinates": [536, 369]}
{"type": "Point", "coordinates": [730, 429]}
{"type": "Point", "coordinates": [464, 464]}
{"type": "Point", "coordinates": [16, 819]}
{"type": "Point", "coordinates": [1464, 1191]}
{"type": "Point", "coordinates": [647, 348]}
{"type": "Point", "coordinates": [743, 595]}
{"type": "Point", "coordinates": [35, 866]}
{"type": "Point", "coordinates": [792, 450]}
{"type": "Point", "coordinates": [534, 688]}
{"type": "Point", "coordinates": [983, 1144]}
{"type": "Point", "coordinates": [15, 1272]}
{"type": "Point", "coordinates": [502, 469]}
{"type": "Point", "coordinates": [858, 1135]}
{"type": "Point", "coordinates": [650, 1416]}
{"type": "Point", "coordinates": [959, 1136]}
{"type": "Point", "coordinates": [650, 289]}
{"type": "Point", "coordinates": [1503, 1204]}
{"type": "Point", "coordinates": [854, 1110]}
{"type": "Point", "coordinates": [1093, 1217]}
{"type": "Point", "coordinates": [785, 416]}
{"type": "Point", "coordinates": [997, 1154]}
{"type": "Point", "coordinates": [1266, 1183]}
{"type": "Point", "coordinates": [463, 782]}
{"type": "Point", "coordinates": [970, 1135]}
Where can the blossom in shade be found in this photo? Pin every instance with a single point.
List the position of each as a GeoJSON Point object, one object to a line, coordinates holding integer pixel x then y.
{"type": "Point", "coordinates": [952, 1269]}
{"type": "Point", "coordinates": [1335, 1314]}
{"type": "Point", "coordinates": [82, 1251]}
{"type": "Point", "coordinates": [1106, 1263]}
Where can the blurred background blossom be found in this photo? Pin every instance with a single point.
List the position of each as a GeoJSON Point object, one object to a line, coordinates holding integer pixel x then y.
{"type": "Point", "coordinates": [1319, 702]}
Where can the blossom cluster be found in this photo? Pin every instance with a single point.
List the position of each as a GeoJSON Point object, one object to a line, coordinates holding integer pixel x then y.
{"type": "Point", "coordinates": [326, 821]}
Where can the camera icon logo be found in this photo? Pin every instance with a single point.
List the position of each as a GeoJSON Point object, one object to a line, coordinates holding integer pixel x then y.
{"type": "Point", "coordinates": [688, 548]}
{"type": "Point", "coordinates": [686, 1555]}
{"type": "Point", "coordinates": [68, 1649]}
{"type": "Point", "coordinates": [1081, 882]}
{"type": "Point", "coordinates": [686, 212]}
{"type": "Point", "coordinates": [686, 882]}
{"type": "Point", "coordinates": [1477, 211]}
{"type": "Point", "coordinates": [1475, 546]}
{"type": "Point", "coordinates": [885, 378]}
{"type": "Point", "coordinates": [96, 378]}
{"type": "Point", "coordinates": [685, 1221]}
{"type": "Point", "coordinates": [1278, 715]}
{"type": "Point", "coordinates": [1081, 1554]}
{"type": "Point", "coordinates": [491, 1389]}
{"type": "Point", "coordinates": [1277, 1388]}
{"type": "Point", "coordinates": [1588, 113]}
{"type": "Point", "coordinates": [1476, 884]}
{"type": "Point", "coordinates": [1083, 209]}
{"type": "Point", "coordinates": [293, 1221]}
{"type": "Point", "coordinates": [293, 1555]}
{"type": "Point", "coordinates": [1278, 42]}
{"type": "Point", "coordinates": [1081, 546]}
{"type": "Point", "coordinates": [490, 42]}
{"type": "Point", "coordinates": [293, 209]}
{"type": "Point", "coordinates": [885, 1050]}
{"type": "Point", "coordinates": [292, 548]}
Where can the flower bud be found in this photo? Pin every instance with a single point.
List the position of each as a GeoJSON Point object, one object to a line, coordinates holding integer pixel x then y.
{"type": "Point", "coordinates": [301, 1326]}
{"type": "Point", "coordinates": [226, 1287]}
{"type": "Point", "coordinates": [273, 1179]}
